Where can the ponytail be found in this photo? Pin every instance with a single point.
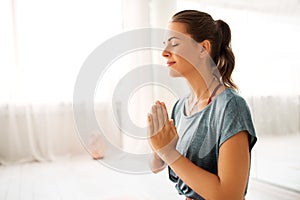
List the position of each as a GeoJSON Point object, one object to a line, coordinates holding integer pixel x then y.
{"type": "Point", "coordinates": [226, 58]}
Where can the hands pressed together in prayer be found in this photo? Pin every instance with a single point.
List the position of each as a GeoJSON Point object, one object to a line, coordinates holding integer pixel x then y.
{"type": "Point", "coordinates": [163, 136]}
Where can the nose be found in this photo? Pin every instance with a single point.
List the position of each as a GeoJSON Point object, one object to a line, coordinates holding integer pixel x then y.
{"type": "Point", "coordinates": [166, 53]}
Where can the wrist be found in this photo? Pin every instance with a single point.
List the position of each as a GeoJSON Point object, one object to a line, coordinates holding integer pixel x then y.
{"type": "Point", "coordinates": [170, 156]}
{"type": "Point", "coordinates": [156, 156]}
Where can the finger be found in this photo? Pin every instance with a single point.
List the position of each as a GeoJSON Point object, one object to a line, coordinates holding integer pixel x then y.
{"type": "Point", "coordinates": [157, 102]}
{"type": "Point", "coordinates": [165, 114]}
{"type": "Point", "coordinates": [160, 117]}
{"type": "Point", "coordinates": [164, 106]}
{"type": "Point", "coordinates": [150, 125]}
{"type": "Point", "coordinates": [154, 119]}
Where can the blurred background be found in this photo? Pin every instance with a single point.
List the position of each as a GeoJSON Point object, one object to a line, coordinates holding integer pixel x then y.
{"type": "Point", "coordinates": [43, 45]}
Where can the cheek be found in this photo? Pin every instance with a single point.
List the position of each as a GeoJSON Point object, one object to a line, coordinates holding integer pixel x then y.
{"type": "Point", "coordinates": [181, 67]}
{"type": "Point", "coordinates": [183, 63]}
{"type": "Point", "coordinates": [188, 55]}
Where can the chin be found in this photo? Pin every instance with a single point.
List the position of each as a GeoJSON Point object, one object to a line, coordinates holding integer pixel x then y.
{"type": "Point", "coordinates": [174, 73]}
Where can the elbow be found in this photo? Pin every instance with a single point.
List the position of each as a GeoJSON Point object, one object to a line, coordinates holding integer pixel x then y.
{"type": "Point", "coordinates": [229, 196]}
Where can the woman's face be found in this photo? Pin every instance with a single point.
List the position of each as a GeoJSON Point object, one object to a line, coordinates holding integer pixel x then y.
{"type": "Point", "coordinates": [181, 51]}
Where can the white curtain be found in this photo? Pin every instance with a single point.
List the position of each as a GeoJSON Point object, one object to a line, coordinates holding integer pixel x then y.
{"type": "Point", "coordinates": [43, 45]}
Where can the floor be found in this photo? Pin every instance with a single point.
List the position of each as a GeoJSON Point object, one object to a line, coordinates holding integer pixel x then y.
{"type": "Point", "coordinates": [85, 179]}
{"type": "Point", "coordinates": [276, 159]}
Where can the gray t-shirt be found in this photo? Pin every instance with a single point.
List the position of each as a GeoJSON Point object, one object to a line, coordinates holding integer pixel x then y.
{"type": "Point", "coordinates": [202, 134]}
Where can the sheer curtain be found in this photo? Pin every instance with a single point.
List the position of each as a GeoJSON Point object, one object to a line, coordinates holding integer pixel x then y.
{"type": "Point", "coordinates": [43, 45]}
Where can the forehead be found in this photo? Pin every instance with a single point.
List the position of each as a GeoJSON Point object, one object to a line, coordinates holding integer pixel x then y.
{"type": "Point", "coordinates": [178, 30]}
{"type": "Point", "coordinates": [177, 27]}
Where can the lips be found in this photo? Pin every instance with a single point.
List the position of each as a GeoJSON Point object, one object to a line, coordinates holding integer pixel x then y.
{"type": "Point", "coordinates": [169, 63]}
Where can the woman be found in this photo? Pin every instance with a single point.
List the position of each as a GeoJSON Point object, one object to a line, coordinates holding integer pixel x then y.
{"type": "Point", "coordinates": [207, 143]}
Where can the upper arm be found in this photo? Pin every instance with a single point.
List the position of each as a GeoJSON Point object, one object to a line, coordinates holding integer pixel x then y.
{"type": "Point", "coordinates": [233, 165]}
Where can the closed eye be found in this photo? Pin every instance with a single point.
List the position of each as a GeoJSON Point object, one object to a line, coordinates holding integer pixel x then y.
{"type": "Point", "coordinates": [173, 41]}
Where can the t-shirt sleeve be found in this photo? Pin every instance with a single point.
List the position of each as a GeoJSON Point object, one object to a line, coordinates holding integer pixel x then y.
{"type": "Point", "coordinates": [236, 118]}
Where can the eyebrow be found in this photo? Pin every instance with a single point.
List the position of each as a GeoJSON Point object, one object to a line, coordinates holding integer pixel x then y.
{"type": "Point", "coordinates": [171, 38]}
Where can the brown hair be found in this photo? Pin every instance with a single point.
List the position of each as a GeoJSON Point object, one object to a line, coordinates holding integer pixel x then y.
{"type": "Point", "coordinates": [201, 26]}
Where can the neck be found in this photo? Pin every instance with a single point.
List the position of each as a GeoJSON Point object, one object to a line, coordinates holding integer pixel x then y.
{"type": "Point", "coordinates": [201, 85]}
{"type": "Point", "coordinates": [204, 86]}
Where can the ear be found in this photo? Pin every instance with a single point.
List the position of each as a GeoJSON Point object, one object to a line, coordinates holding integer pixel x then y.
{"type": "Point", "coordinates": [206, 47]}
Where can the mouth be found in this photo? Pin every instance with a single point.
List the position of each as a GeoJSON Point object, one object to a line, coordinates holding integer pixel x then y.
{"type": "Point", "coordinates": [169, 63]}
